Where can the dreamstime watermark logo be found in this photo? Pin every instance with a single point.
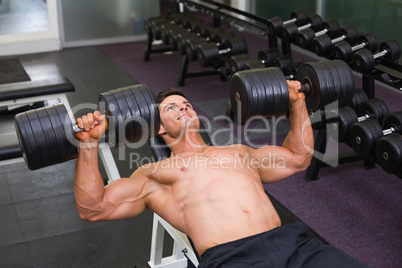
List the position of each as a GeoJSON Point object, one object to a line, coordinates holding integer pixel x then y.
{"type": "Point", "coordinates": [121, 127]}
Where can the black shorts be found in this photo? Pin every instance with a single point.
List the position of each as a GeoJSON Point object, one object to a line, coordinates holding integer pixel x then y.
{"type": "Point", "coordinates": [286, 246]}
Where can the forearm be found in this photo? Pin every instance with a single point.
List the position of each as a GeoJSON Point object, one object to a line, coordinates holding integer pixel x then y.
{"type": "Point", "coordinates": [300, 139]}
{"type": "Point", "coordinates": [88, 183]}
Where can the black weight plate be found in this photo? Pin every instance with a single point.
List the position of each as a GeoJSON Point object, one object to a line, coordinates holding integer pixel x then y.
{"type": "Point", "coordinates": [70, 141]}
{"type": "Point", "coordinates": [333, 28]}
{"type": "Point", "coordinates": [58, 130]}
{"type": "Point", "coordinates": [364, 135]}
{"type": "Point", "coordinates": [273, 24]}
{"type": "Point", "coordinates": [253, 92]}
{"type": "Point", "coordinates": [333, 84]}
{"type": "Point", "coordinates": [392, 48]}
{"type": "Point", "coordinates": [42, 151]}
{"type": "Point", "coordinates": [125, 128]}
{"type": "Point", "coordinates": [267, 55]}
{"type": "Point", "coordinates": [154, 123]}
{"type": "Point", "coordinates": [316, 22]}
{"type": "Point", "coordinates": [239, 85]}
{"type": "Point", "coordinates": [221, 38]}
{"type": "Point", "coordinates": [364, 60]}
{"type": "Point", "coordinates": [359, 97]}
{"type": "Point", "coordinates": [181, 40]}
{"type": "Point", "coordinates": [238, 62]}
{"type": "Point", "coordinates": [136, 115]}
{"type": "Point", "coordinates": [143, 106]}
{"type": "Point", "coordinates": [259, 90]}
{"type": "Point", "coordinates": [108, 106]}
{"type": "Point", "coordinates": [207, 54]}
{"type": "Point", "coordinates": [347, 81]}
{"type": "Point", "coordinates": [351, 34]}
{"type": "Point", "coordinates": [266, 100]}
{"type": "Point", "coordinates": [190, 48]}
{"type": "Point", "coordinates": [26, 140]}
{"type": "Point", "coordinates": [288, 32]}
{"type": "Point", "coordinates": [253, 65]}
{"type": "Point", "coordinates": [308, 75]}
{"type": "Point", "coordinates": [393, 120]}
{"type": "Point", "coordinates": [305, 37]}
{"type": "Point", "coordinates": [389, 153]}
{"type": "Point", "coordinates": [50, 136]}
{"type": "Point", "coordinates": [346, 118]}
{"type": "Point", "coordinates": [370, 41]}
{"type": "Point", "coordinates": [280, 91]}
{"type": "Point", "coordinates": [342, 50]}
{"type": "Point", "coordinates": [282, 62]}
{"type": "Point", "coordinates": [338, 87]}
{"type": "Point", "coordinates": [300, 16]}
{"type": "Point", "coordinates": [374, 108]}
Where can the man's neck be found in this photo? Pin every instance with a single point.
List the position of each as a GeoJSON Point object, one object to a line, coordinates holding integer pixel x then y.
{"type": "Point", "coordinates": [189, 142]}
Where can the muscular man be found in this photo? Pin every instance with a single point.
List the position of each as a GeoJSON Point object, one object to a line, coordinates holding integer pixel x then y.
{"type": "Point", "coordinates": [213, 194]}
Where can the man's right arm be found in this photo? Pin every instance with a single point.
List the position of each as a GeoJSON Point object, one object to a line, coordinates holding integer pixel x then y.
{"type": "Point", "coordinates": [121, 199]}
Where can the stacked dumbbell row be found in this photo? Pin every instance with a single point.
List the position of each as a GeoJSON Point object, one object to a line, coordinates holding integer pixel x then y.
{"type": "Point", "coordinates": [380, 140]}
{"type": "Point", "coordinates": [358, 125]}
{"type": "Point", "coordinates": [328, 40]}
{"type": "Point", "coordinates": [270, 57]}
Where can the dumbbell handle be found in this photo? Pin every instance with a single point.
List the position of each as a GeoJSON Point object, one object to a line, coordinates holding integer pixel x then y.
{"type": "Point", "coordinates": [359, 46]}
{"type": "Point", "coordinates": [338, 39]}
{"type": "Point", "coordinates": [305, 26]}
{"type": "Point", "coordinates": [306, 89]}
{"type": "Point", "coordinates": [380, 54]}
{"type": "Point", "coordinates": [322, 32]}
{"type": "Point", "coordinates": [385, 132]}
{"type": "Point", "coordinates": [77, 129]}
{"type": "Point", "coordinates": [289, 21]}
{"type": "Point", "coordinates": [225, 50]}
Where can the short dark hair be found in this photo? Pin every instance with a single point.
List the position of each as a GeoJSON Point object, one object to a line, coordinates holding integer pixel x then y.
{"type": "Point", "coordinates": [168, 92]}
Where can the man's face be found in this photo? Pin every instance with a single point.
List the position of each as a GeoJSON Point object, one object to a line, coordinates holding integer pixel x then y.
{"type": "Point", "coordinates": [177, 116]}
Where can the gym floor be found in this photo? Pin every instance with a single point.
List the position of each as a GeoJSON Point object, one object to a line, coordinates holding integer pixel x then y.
{"type": "Point", "coordinates": [354, 209]}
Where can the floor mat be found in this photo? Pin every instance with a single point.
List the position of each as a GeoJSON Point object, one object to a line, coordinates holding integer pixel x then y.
{"type": "Point", "coordinates": [11, 71]}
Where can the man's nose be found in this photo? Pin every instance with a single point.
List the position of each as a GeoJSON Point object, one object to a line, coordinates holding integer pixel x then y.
{"type": "Point", "coordinates": [183, 107]}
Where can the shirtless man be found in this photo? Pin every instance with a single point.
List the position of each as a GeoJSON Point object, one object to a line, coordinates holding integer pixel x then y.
{"type": "Point", "coordinates": [212, 194]}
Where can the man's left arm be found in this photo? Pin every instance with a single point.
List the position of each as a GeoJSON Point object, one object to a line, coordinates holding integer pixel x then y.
{"type": "Point", "coordinates": [279, 162]}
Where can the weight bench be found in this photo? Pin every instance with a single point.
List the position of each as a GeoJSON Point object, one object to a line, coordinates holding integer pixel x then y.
{"type": "Point", "coordinates": [183, 248]}
{"type": "Point", "coordinates": [20, 94]}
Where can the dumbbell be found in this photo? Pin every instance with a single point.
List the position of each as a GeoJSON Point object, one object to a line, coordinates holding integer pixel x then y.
{"type": "Point", "coordinates": [388, 152]}
{"type": "Point", "coordinates": [298, 17]}
{"type": "Point", "coordinates": [174, 19]}
{"type": "Point", "coordinates": [209, 53]}
{"type": "Point", "coordinates": [265, 91]}
{"type": "Point", "coordinates": [244, 62]}
{"type": "Point", "coordinates": [322, 45]}
{"type": "Point", "coordinates": [288, 32]}
{"type": "Point", "coordinates": [191, 45]}
{"type": "Point", "coordinates": [47, 135]}
{"type": "Point", "coordinates": [320, 118]}
{"type": "Point", "coordinates": [207, 34]}
{"type": "Point", "coordinates": [364, 59]}
{"type": "Point", "coordinates": [346, 116]}
{"type": "Point", "coordinates": [344, 51]}
{"type": "Point", "coordinates": [149, 21]}
{"type": "Point", "coordinates": [364, 135]}
{"type": "Point", "coordinates": [359, 97]}
{"type": "Point", "coordinates": [304, 38]}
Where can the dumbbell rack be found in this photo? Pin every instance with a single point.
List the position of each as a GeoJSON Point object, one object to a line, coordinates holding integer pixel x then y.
{"type": "Point", "coordinates": [320, 144]}
{"type": "Point", "coordinates": [217, 11]}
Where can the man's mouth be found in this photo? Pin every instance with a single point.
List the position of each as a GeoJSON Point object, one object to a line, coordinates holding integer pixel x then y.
{"type": "Point", "coordinates": [183, 116]}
